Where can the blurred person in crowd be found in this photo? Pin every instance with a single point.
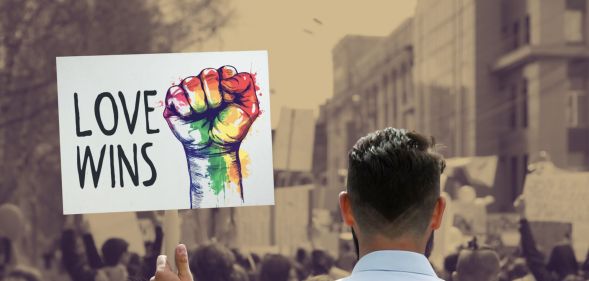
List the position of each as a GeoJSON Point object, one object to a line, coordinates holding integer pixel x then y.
{"type": "Point", "coordinates": [393, 204]}
{"type": "Point", "coordinates": [324, 264]}
{"type": "Point", "coordinates": [84, 263]}
{"type": "Point", "coordinates": [562, 263]}
{"type": "Point", "coordinates": [13, 229]}
{"type": "Point", "coordinates": [321, 262]}
{"type": "Point", "coordinates": [5, 253]}
{"type": "Point", "coordinates": [277, 267]}
{"type": "Point", "coordinates": [23, 274]}
{"type": "Point", "coordinates": [562, 258]}
{"type": "Point", "coordinates": [519, 270]}
{"type": "Point", "coordinates": [347, 259]}
{"type": "Point", "coordinates": [212, 262]}
{"type": "Point", "coordinates": [303, 263]}
{"type": "Point", "coordinates": [477, 264]}
{"type": "Point", "coordinates": [320, 278]}
{"type": "Point", "coordinates": [152, 251]}
{"type": "Point", "coordinates": [450, 263]}
{"type": "Point", "coordinates": [240, 274]}
{"type": "Point", "coordinates": [116, 257]}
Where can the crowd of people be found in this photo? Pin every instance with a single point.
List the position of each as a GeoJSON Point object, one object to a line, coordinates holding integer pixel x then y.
{"type": "Point", "coordinates": [393, 217]}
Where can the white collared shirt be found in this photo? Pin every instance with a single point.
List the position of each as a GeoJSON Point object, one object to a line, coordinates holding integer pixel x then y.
{"type": "Point", "coordinates": [389, 265]}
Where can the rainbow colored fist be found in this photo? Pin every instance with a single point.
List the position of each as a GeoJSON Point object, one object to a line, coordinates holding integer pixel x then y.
{"type": "Point", "coordinates": [211, 114]}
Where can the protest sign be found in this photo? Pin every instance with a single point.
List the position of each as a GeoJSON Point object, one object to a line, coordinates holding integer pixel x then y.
{"type": "Point", "coordinates": [557, 197]}
{"type": "Point", "coordinates": [164, 131]}
{"type": "Point", "coordinates": [560, 197]}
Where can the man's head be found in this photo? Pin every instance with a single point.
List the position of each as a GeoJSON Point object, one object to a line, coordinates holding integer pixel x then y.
{"type": "Point", "coordinates": [114, 251]}
{"type": "Point", "coordinates": [393, 187]}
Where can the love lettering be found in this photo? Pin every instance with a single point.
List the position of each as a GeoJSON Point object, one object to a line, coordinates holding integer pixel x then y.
{"type": "Point", "coordinates": [125, 161]}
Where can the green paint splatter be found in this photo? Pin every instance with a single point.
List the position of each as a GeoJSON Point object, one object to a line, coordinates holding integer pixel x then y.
{"type": "Point", "coordinates": [218, 172]}
{"type": "Point", "coordinates": [203, 130]}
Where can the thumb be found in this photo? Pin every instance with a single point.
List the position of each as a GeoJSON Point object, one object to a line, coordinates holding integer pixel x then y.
{"type": "Point", "coordinates": [237, 84]}
{"type": "Point", "coordinates": [182, 263]}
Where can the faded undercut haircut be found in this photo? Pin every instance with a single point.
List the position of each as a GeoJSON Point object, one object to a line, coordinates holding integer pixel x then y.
{"type": "Point", "coordinates": [393, 182]}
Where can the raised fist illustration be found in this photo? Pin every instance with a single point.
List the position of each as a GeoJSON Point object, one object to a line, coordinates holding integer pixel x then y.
{"type": "Point", "coordinates": [210, 114]}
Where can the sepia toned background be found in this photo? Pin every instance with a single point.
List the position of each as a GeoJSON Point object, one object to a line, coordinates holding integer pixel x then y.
{"type": "Point", "coordinates": [501, 85]}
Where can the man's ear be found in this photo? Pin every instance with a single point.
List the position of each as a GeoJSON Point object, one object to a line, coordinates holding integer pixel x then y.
{"type": "Point", "coordinates": [346, 208]}
{"type": "Point", "coordinates": [438, 213]}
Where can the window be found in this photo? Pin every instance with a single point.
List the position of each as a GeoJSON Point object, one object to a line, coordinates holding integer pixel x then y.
{"type": "Point", "coordinates": [577, 111]}
{"type": "Point", "coordinates": [513, 106]}
{"type": "Point", "coordinates": [574, 18]}
{"type": "Point", "coordinates": [525, 161]}
{"type": "Point", "coordinates": [515, 34]}
{"type": "Point", "coordinates": [524, 103]}
{"type": "Point", "coordinates": [527, 32]}
{"type": "Point", "coordinates": [514, 177]}
{"type": "Point", "coordinates": [577, 108]}
{"type": "Point", "coordinates": [394, 94]}
{"type": "Point", "coordinates": [385, 95]}
{"type": "Point", "coordinates": [404, 83]}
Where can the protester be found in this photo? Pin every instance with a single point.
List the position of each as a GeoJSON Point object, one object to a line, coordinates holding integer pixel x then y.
{"type": "Point", "coordinates": [476, 264]}
{"type": "Point", "coordinates": [116, 258]}
{"type": "Point", "coordinates": [213, 262]}
{"type": "Point", "coordinates": [277, 267]}
{"type": "Point", "coordinates": [320, 278]}
{"type": "Point", "coordinates": [393, 204]}
{"type": "Point", "coordinates": [74, 259]}
{"type": "Point", "coordinates": [11, 238]}
{"type": "Point", "coordinates": [347, 259]}
{"type": "Point", "coordinates": [23, 274]}
{"type": "Point", "coordinates": [562, 263]}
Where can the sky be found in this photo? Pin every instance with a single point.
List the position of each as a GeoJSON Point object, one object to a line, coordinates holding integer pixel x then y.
{"type": "Point", "coordinates": [299, 47]}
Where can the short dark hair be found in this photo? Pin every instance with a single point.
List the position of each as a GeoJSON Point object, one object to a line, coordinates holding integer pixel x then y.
{"type": "Point", "coordinates": [113, 250]}
{"type": "Point", "coordinates": [394, 181]}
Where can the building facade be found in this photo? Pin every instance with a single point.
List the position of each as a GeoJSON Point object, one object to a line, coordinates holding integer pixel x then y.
{"type": "Point", "coordinates": [372, 89]}
{"type": "Point", "coordinates": [512, 82]}
{"type": "Point", "coordinates": [484, 77]}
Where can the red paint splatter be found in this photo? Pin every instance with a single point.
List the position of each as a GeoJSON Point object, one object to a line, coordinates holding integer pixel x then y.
{"type": "Point", "coordinates": [254, 78]}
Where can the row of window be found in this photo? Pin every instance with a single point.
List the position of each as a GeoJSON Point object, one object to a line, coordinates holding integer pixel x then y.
{"type": "Point", "coordinates": [518, 32]}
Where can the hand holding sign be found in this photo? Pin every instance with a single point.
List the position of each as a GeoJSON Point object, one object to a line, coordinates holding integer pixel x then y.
{"type": "Point", "coordinates": [210, 114]}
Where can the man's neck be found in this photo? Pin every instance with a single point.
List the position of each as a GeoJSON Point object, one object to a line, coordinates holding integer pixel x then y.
{"type": "Point", "coordinates": [379, 242]}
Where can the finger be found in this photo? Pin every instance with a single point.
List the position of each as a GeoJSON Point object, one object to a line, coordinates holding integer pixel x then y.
{"type": "Point", "coordinates": [227, 72]}
{"type": "Point", "coordinates": [195, 94]}
{"type": "Point", "coordinates": [162, 264]}
{"type": "Point", "coordinates": [243, 87]}
{"type": "Point", "coordinates": [237, 84]}
{"type": "Point", "coordinates": [210, 84]}
{"type": "Point", "coordinates": [182, 263]}
{"type": "Point", "coordinates": [163, 270]}
{"type": "Point", "coordinates": [230, 125]}
{"type": "Point", "coordinates": [176, 102]}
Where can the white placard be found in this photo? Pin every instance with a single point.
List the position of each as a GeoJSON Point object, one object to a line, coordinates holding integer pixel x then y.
{"type": "Point", "coordinates": [173, 131]}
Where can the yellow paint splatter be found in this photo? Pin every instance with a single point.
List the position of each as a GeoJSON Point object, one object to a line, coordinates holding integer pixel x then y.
{"type": "Point", "coordinates": [245, 160]}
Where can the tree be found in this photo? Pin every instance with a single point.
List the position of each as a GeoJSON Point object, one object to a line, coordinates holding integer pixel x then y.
{"type": "Point", "coordinates": [32, 34]}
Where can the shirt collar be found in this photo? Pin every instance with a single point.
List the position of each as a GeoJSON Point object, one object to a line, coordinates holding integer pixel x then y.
{"type": "Point", "coordinates": [395, 260]}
